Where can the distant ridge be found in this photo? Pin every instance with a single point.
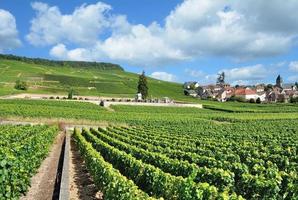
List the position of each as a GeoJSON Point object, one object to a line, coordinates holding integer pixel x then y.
{"type": "Point", "coordinates": [75, 64]}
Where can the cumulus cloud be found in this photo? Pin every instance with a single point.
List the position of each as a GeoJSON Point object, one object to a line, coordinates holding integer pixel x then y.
{"type": "Point", "coordinates": [293, 78]}
{"type": "Point", "coordinates": [195, 73]}
{"type": "Point", "coordinates": [214, 30]}
{"type": "Point", "coordinates": [293, 66]}
{"type": "Point", "coordinates": [140, 45]}
{"type": "Point", "coordinates": [164, 76]}
{"type": "Point", "coordinates": [82, 27]}
{"type": "Point", "coordinates": [255, 72]}
{"type": "Point", "coordinates": [193, 29]}
{"type": "Point", "coordinates": [79, 54]}
{"type": "Point", "coordinates": [242, 75]}
{"type": "Point", "coordinates": [8, 31]}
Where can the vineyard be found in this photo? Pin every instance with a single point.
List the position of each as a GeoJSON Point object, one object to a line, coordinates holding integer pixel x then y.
{"type": "Point", "coordinates": [22, 149]}
{"type": "Point", "coordinates": [132, 114]}
{"type": "Point", "coordinates": [220, 152]}
{"type": "Point", "coordinates": [201, 161]}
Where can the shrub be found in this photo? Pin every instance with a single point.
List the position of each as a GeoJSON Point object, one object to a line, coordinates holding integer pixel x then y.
{"type": "Point", "coordinates": [21, 85]}
{"type": "Point", "coordinates": [258, 100]}
{"type": "Point", "coordinates": [252, 101]}
{"type": "Point", "coordinates": [70, 94]}
{"type": "Point", "coordinates": [294, 100]}
{"type": "Point", "coordinates": [102, 103]}
{"type": "Point", "coordinates": [235, 98]}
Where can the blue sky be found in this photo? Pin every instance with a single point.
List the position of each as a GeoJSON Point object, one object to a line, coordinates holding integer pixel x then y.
{"type": "Point", "coordinates": [175, 40]}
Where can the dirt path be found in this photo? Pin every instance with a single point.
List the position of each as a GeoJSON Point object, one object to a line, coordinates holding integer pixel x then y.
{"type": "Point", "coordinates": [96, 100]}
{"type": "Point", "coordinates": [43, 183]}
{"type": "Point", "coordinates": [81, 184]}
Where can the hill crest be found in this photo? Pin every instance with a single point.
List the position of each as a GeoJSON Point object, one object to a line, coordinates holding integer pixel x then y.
{"type": "Point", "coordinates": [57, 63]}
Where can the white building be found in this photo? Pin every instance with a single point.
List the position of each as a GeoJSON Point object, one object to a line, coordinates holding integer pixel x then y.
{"type": "Point", "coordinates": [247, 94]}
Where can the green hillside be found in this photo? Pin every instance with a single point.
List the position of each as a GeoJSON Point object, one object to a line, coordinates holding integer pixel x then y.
{"type": "Point", "coordinates": [86, 78]}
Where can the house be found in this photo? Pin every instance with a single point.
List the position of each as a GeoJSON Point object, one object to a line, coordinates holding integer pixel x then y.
{"type": "Point", "coordinates": [229, 91]}
{"type": "Point", "coordinates": [272, 96]}
{"type": "Point", "coordinates": [208, 94]}
{"type": "Point", "coordinates": [192, 93]}
{"type": "Point", "coordinates": [225, 93]}
{"type": "Point", "coordinates": [190, 85]}
{"type": "Point", "coordinates": [246, 93]}
{"type": "Point", "coordinates": [262, 96]}
{"type": "Point", "coordinates": [289, 87]}
{"type": "Point", "coordinates": [218, 88]}
{"type": "Point", "coordinates": [278, 96]}
{"type": "Point", "coordinates": [260, 88]}
{"type": "Point", "coordinates": [190, 88]}
{"type": "Point", "coordinates": [222, 95]}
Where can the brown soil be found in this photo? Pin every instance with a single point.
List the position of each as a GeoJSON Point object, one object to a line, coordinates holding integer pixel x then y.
{"type": "Point", "coordinates": [43, 183]}
{"type": "Point", "coordinates": [81, 184]}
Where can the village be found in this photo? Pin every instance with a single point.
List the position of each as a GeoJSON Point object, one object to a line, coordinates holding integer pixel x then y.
{"type": "Point", "coordinates": [260, 93]}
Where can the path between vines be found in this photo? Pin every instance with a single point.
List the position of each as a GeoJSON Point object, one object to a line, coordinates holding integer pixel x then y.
{"type": "Point", "coordinates": [81, 185]}
{"type": "Point", "coordinates": [43, 183]}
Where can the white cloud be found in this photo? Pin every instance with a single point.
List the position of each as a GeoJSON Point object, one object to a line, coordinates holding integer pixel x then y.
{"type": "Point", "coordinates": [255, 72]}
{"type": "Point", "coordinates": [163, 76]}
{"type": "Point", "coordinates": [293, 78]}
{"type": "Point", "coordinates": [241, 75]}
{"type": "Point", "coordinates": [58, 51]}
{"type": "Point", "coordinates": [82, 27]}
{"type": "Point", "coordinates": [293, 66]}
{"type": "Point", "coordinates": [195, 73]}
{"type": "Point", "coordinates": [193, 29]}
{"type": "Point", "coordinates": [140, 46]}
{"type": "Point", "coordinates": [79, 54]}
{"type": "Point", "coordinates": [216, 31]}
{"type": "Point", "coordinates": [8, 31]}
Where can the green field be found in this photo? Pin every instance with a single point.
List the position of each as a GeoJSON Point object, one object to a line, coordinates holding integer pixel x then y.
{"type": "Point", "coordinates": [22, 149]}
{"type": "Point", "coordinates": [49, 79]}
{"type": "Point", "coordinates": [246, 151]}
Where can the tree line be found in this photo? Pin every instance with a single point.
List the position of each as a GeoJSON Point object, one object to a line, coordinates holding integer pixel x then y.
{"type": "Point", "coordinates": [56, 63]}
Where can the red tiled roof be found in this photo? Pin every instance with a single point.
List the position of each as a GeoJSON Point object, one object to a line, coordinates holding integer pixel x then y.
{"type": "Point", "coordinates": [245, 91]}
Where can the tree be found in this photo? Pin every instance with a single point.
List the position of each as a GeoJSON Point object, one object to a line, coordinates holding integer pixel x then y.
{"type": "Point", "coordinates": [268, 87]}
{"type": "Point", "coordinates": [296, 84]}
{"type": "Point", "coordinates": [221, 78]}
{"type": "Point", "coordinates": [294, 100]}
{"type": "Point", "coordinates": [237, 98]}
{"type": "Point", "coordinates": [21, 85]}
{"type": "Point", "coordinates": [71, 92]}
{"type": "Point", "coordinates": [252, 100]}
{"type": "Point", "coordinates": [143, 86]}
{"type": "Point", "coordinates": [193, 86]}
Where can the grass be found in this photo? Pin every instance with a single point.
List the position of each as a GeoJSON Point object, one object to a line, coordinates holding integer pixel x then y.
{"type": "Point", "coordinates": [93, 82]}
{"type": "Point", "coordinates": [53, 109]}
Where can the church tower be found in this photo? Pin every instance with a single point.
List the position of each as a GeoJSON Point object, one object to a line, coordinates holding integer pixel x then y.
{"type": "Point", "coordinates": [279, 81]}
